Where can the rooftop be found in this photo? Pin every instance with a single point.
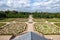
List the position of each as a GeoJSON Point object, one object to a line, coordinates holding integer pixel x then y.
{"type": "Point", "coordinates": [30, 36]}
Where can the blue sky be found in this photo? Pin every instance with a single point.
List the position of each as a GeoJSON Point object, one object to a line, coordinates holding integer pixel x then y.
{"type": "Point", "coordinates": [31, 5]}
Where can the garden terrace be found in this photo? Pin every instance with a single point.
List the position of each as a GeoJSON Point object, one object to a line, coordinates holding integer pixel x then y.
{"type": "Point", "coordinates": [13, 29]}
{"type": "Point", "coordinates": [47, 28]}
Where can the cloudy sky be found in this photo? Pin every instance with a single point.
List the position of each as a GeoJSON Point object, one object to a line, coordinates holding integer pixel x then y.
{"type": "Point", "coordinates": [31, 5]}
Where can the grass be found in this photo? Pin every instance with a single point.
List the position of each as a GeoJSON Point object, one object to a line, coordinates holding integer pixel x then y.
{"type": "Point", "coordinates": [58, 24]}
{"type": "Point", "coordinates": [53, 20]}
{"type": "Point", "coordinates": [14, 19]}
{"type": "Point", "coordinates": [1, 24]}
{"type": "Point", "coordinates": [38, 20]}
{"type": "Point", "coordinates": [47, 28]}
{"type": "Point", "coordinates": [13, 29]}
{"type": "Point", "coordinates": [6, 19]}
{"type": "Point", "coordinates": [21, 20]}
{"type": "Point", "coordinates": [47, 19]}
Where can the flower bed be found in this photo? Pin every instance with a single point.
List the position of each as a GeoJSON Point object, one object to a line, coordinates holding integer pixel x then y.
{"type": "Point", "coordinates": [47, 28]}
{"type": "Point", "coordinates": [13, 28]}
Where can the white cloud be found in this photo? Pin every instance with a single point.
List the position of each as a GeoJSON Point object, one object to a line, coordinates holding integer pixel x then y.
{"type": "Point", "coordinates": [57, 5]}
{"type": "Point", "coordinates": [17, 3]}
{"type": "Point", "coordinates": [46, 2]}
{"type": "Point", "coordinates": [36, 4]}
{"type": "Point", "coordinates": [1, 3]}
{"type": "Point", "coordinates": [48, 8]}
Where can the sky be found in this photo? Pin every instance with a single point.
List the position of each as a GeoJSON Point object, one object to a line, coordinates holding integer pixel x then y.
{"type": "Point", "coordinates": [31, 5]}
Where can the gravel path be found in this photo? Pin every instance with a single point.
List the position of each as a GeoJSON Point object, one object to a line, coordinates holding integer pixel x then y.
{"type": "Point", "coordinates": [30, 24]}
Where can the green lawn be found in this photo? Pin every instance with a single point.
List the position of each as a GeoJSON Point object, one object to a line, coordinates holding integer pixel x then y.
{"type": "Point", "coordinates": [14, 19]}
{"type": "Point", "coordinates": [47, 28]}
{"type": "Point", "coordinates": [46, 19]}
{"type": "Point", "coordinates": [6, 19]}
{"type": "Point", "coordinates": [53, 20]}
{"type": "Point", "coordinates": [21, 20]}
{"type": "Point", "coordinates": [39, 20]}
{"type": "Point", "coordinates": [58, 24]}
{"type": "Point", "coordinates": [2, 24]}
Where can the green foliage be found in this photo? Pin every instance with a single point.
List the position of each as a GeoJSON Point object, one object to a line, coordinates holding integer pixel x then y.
{"type": "Point", "coordinates": [13, 14]}
{"type": "Point", "coordinates": [2, 24]}
{"type": "Point", "coordinates": [16, 14]}
{"type": "Point", "coordinates": [46, 15]}
{"type": "Point", "coordinates": [2, 14]}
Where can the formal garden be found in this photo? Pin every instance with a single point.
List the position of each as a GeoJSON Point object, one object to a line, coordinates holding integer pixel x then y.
{"type": "Point", "coordinates": [13, 29]}
{"type": "Point", "coordinates": [45, 23]}
{"type": "Point", "coordinates": [14, 22]}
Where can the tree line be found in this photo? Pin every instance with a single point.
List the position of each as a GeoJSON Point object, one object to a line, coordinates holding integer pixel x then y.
{"type": "Point", "coordinates": [46, 15]}
{"type": "Point", "coordinates": [16, 14]}
{"type": "Point", "coordinates": [13, 14]}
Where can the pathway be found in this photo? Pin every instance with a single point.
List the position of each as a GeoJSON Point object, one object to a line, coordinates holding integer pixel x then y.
{"type": "Point", "coordinates": [30, 27]}
{"type": "Point", "coordinates": [30, 24]}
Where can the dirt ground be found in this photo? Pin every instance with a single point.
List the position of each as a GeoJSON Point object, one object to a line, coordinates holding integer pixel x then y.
{"type": "Point", "coordinates": [53, 37]}
{"type": "Point", "coordinates": [5, 37]}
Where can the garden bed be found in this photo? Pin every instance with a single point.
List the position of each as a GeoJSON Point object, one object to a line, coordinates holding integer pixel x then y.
{"type": "Point", "coordinates": [13, 29]}
{"type": "Point", "coordinates": [47, 29]}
